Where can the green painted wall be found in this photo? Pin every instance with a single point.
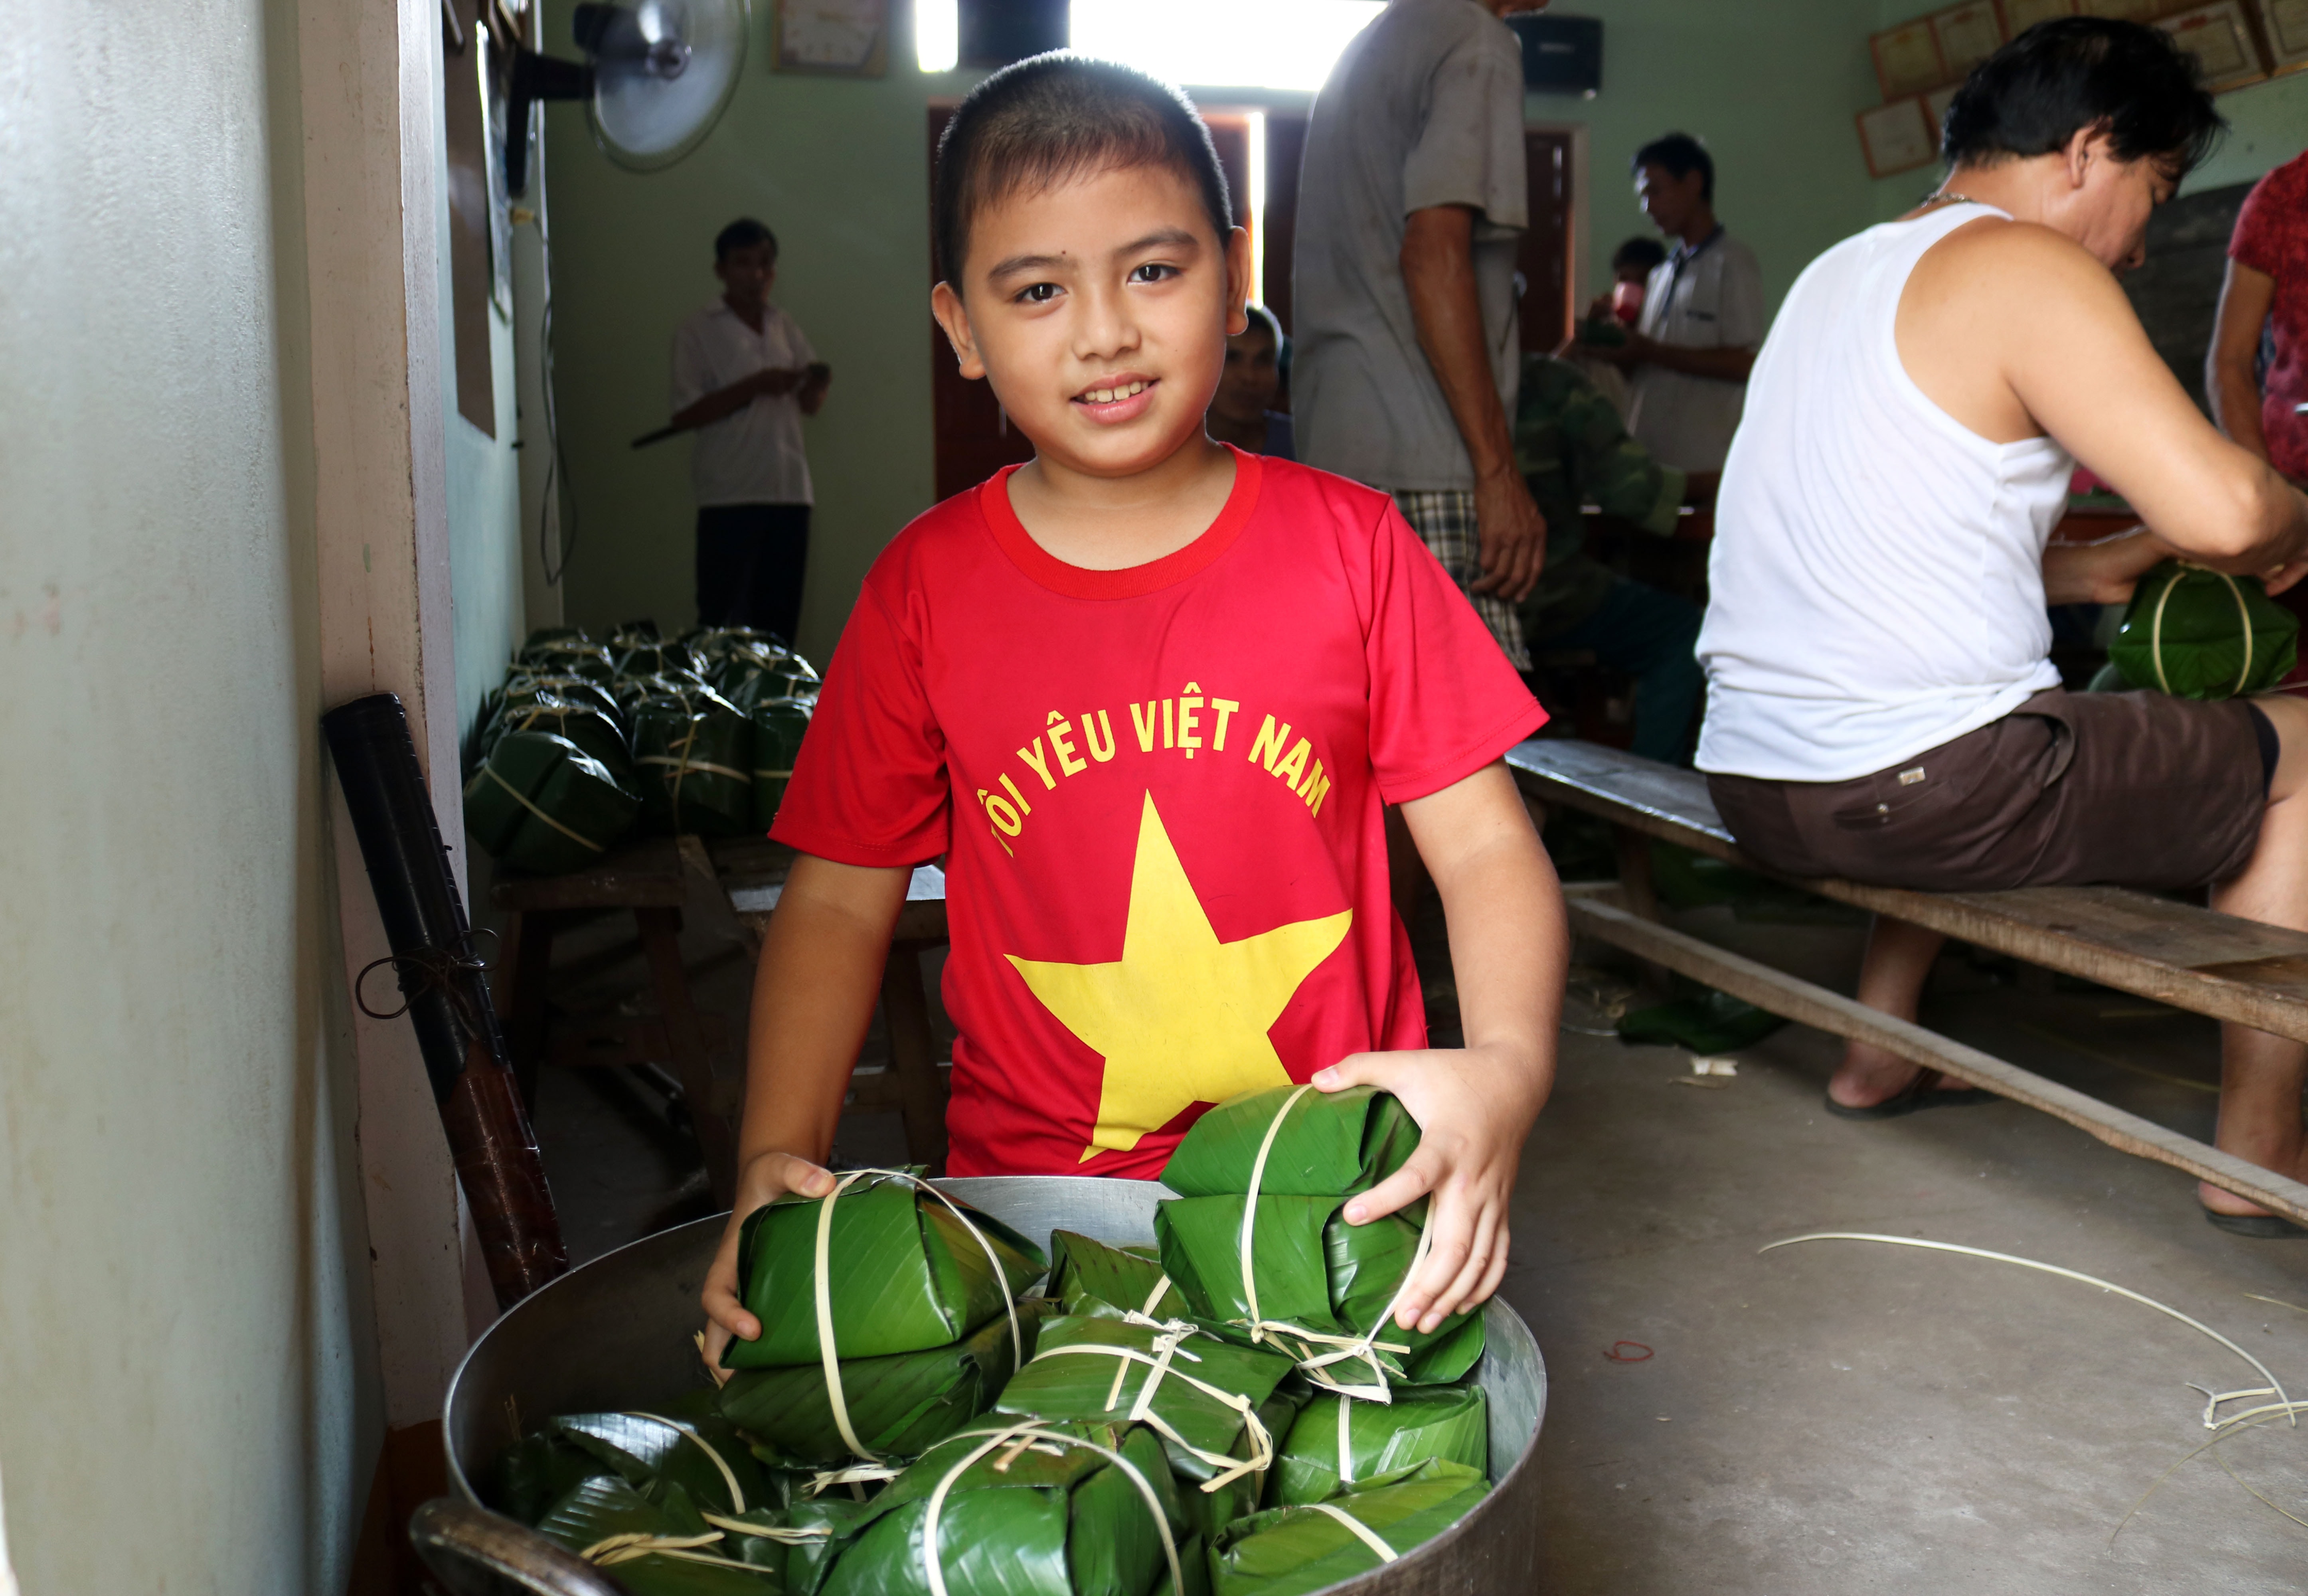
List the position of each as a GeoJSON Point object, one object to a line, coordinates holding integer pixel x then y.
{"type": "Point", "coordinates": [188, 1396]}
{"type": "Point", "coordinates": [1769, 85]}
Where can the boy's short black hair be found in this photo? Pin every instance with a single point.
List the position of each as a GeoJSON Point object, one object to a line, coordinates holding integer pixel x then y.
{"type": "Point", "coordinates": [1262, 320]}
{"type": "Point", "coordinates": [1681, 155]}
{"type": "Point", "coordinates": [1059, 115]}
{"type": "Point", "coordinates": [1646, 252]}
{"type": "Point", "coordinates": [743, 233]}
{"type": "Point", "coordinates": [2071, 74]}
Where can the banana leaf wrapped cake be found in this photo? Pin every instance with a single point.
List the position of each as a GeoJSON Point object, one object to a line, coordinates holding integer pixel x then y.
{"type": "Point", "coordinates": [599, 733]}
{"type": "Point", "coordinates": [1337, 1442]}
{"type": "Point", "coordinates": [1287, 1268]}
{"type": "Point", "coordinates": [540, 802]}
{"type": "Point", "coordinates": [779, 727]}
{"type": "Point", "coordinates": [695, 753]}
{"type": "Point", "coordinates": [897, 1405]}
{"type": "Point", "coordinates": [1288, 1551]}
{"type": "Point", "coordinates": [1217, 1408]}
{"type": "Point", "coordinates": [2197, 633]}
{"type": "Point", "coordinates": [1122, 1277]}
{"type": "Point", "coordinates": [1023, 1510]}
{"type": "Point", "coordinates": [751, 672]}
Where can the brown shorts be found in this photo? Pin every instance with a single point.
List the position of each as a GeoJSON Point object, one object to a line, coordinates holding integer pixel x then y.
{"type": "Point", "coordinates": [2095, 788]}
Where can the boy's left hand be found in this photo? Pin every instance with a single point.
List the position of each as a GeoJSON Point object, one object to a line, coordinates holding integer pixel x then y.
{"type": "Point", "coordinates": [1474, 1107]}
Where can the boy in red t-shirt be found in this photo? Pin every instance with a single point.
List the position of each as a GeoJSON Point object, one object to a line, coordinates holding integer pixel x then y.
{"type": "Point", "coordinates": [1150, 696]}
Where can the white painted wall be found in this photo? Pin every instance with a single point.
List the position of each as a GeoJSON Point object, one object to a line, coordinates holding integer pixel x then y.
{"type": "Point", "coordinates": [188, 1395]}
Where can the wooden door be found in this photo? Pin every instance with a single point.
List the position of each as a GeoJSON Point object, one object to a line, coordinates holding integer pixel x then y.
{"type": "Point", "coordinates": [1545, 260]}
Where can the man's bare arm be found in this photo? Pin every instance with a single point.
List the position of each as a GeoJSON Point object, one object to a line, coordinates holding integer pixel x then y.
{"type": "Point", "coordinates": [2230, 381]}
{"type": "Point", "coordinates": [2017, 332]}
{"type": "Point", "coordinates": [1438, 270]}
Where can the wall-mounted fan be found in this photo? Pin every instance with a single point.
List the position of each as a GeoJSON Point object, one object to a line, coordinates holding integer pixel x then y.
{"type": "Point", "coordinates": [657, 75]}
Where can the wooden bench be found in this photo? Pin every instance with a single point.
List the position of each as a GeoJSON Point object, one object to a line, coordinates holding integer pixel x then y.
{"type": "Point", "coordinates": [2177, 954]}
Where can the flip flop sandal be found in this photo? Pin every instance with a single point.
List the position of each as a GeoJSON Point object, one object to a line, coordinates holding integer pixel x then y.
{"type": "Point", "coordinates": [2259, 1227]}
{"type": "Point", "coordinates": [1924, 1092]}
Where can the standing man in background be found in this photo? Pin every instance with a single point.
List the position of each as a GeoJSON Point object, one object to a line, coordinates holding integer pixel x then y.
{"type": "Point", "coordinates": [2267, 287]}
{"type": "Point", "coordinates": [1688, 358]}
{"type": "Point", "coordinates": [1411, 206]}
{"type": "Point", "coordinates": [744, 376]}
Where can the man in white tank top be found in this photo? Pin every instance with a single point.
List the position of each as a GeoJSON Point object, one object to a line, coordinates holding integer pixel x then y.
{"type": "Point", "coordinates": [1880, 703]}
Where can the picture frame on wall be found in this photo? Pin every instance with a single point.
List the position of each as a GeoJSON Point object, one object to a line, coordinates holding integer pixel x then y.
{"type": "Point", "coordinates": [1898, 137]}
{"type": "Point", "coordinates": [1966, 35]}
{"type": "Point", "coordinates": [2285, 24]}
{"type": "Point", "coordinates": [2019, 15]}
{"type": "Point", "coordinates": [1907, 59]}
{"type": "Point", "coordinates": [848, 39]}
{"type": "Point", "coordinates": [2219, 37]}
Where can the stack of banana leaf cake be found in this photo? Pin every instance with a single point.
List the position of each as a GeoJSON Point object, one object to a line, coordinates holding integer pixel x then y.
{"type": "Point", "coordinates": [588, 743]}
{"type": "Point", "coordinates": [1232, 1411]}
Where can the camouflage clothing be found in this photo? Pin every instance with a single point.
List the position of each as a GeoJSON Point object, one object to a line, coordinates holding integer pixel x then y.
{"type": "Point", "coordinates": [1572, 449]}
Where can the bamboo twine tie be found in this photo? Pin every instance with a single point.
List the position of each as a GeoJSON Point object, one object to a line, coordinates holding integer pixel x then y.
{"type": "Point", "coordinates": [1031, 1434]}
{"type": "Point", "coordinates": [1362, 1532]}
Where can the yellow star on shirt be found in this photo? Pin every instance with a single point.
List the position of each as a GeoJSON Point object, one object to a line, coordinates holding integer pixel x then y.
{"type": "Point", "coordinates": [1181, 1018]}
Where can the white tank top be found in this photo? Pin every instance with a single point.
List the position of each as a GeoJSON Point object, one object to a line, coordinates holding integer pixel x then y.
{"type": "Point", "coordinates": [1877, 580]}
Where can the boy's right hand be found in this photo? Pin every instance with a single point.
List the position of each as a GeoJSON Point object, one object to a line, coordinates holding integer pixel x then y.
{"type": "Point", "coordinates": [765, 1178]}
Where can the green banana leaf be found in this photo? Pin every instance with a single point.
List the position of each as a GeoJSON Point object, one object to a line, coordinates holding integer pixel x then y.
{"type": "Point", "coordinates": [1200, 1244]}
{"type": "Point", "coordinates": [2196, 633]}
{"type": "Point", "coordinates": [524, 686]}
{"type": "Point", "coordinates": [1452, 1422]}
{"type": "Point", "coordinates": [605, 1507]}
{"type": "Point", "coordinates": [1366, 1264]}
{"type": "Point", "coordinates": [1043, 1521]}
{"type": "Point", "coordinates": [1313, 1271]}
{"type": "Point", "coordinates": [751, 674]}
{"type": "Point", "coordinates": [1711, 1021]}
{"type": "Point", "coordinates": [694, 750]}
{"type": "Point", "coordinates": [601, 735]}
{"type": "Point", "coordinates": [632, 691]}
{"type": "Point", "coordinates": [1329, 1145]}
{"type": "Point", "coordinates": [779, 724]}
{"type": "Point", "coordinates": [1122, 1277]}
{"type": "Point", "coordinates": [1063, 1385]}
{"type": "Point", "coordinates": [705, 1456]}
{"type": "Point", "coordinates": [906, 1274]}
{"type": "Point", "coordinates": [1286, 1551]}
{"type": "Point", "coordinates": [568, 657]}
{"type": "Point", "coordinates": [899, 1404]}
{"type": "Point", "coordinates": [539, 803]}
{"type": "Point", "coordinates": [717, 644]}
{"type": "Point", "coordinates": [528, 1479]}
{"type": "Point", "coordinates": [653, 656]}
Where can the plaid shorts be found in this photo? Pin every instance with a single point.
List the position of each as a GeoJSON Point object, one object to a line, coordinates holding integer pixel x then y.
{"type": "Point", "coordinates": [1444, 520]}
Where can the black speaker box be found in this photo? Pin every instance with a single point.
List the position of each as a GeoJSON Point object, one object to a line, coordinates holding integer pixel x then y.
{"type": "Point", "coordinates": [1561, 54]}
{"type": "Point", "coordinates": [996, 32]}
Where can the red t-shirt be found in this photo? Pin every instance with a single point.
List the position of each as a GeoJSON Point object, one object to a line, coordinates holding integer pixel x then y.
{"type": "Point", "coordinates": [1160, 792]}
{"type": "Point", "coordinates": [2272, 236]}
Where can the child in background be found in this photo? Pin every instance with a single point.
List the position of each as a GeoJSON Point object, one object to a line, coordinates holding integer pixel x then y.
{"type": "Point", "coordinates": [1150, 697]}
{"type": "Point", "coordinates": [1241, 411]}
{"type": "Point", "coordinates": [1631, 272]}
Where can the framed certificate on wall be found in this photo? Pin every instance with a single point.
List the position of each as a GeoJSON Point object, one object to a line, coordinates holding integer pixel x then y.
{"type": "Point", "coordinates": [846, 38]}
{"type": "Point", "coordinates": [2019, 15]}
{"type": "Point", "coordinates": [1897, 137]}
{"type": "Point", "coordinates": [2286, 24]}
{"type": "Point", "coordinates": [1907, 59]}
{"type": "Point", "coordinates": [1966, 35]}
{"type": "Point", "coordinates": [2220, 38]}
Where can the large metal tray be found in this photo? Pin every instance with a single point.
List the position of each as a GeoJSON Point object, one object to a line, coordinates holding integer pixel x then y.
{"type": "Point", "coordinates": [616, 1334]}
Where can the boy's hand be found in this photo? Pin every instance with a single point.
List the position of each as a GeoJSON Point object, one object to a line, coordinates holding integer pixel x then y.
{"type": "Point", "coordinates": [764, 1179]}
{"type": "Point", "coordinates": [1474, 1107]}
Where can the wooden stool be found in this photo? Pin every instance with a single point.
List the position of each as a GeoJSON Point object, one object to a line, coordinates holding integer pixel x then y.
{"type": "Point", "coordinates": [914, 1086]}
{"type": "Point", "coordinates": [654, 880]}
